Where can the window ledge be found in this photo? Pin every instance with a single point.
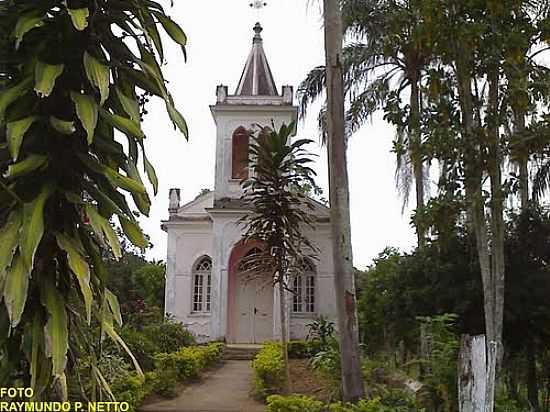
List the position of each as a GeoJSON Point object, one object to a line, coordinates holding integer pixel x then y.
{"type": "Point", "coordinates": [304, 315]}
{"type": "Point", "coordinates": [200, 314]}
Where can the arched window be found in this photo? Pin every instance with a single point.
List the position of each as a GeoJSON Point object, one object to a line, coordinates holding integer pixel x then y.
{"type": "Point", "coordinates": [202, 284]}
{"type": "Point", "coordinates": [304, 290]}
{"type": "Point", "coordinates": [239, 147]}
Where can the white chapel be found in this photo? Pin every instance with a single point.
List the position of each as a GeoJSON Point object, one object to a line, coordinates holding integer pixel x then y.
{"type": "Point", "coordinates": [204, 289]}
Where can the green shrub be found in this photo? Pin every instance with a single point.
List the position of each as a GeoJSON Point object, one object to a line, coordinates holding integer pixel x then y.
{"type": "Point", "coordinates": [142, 347]}
{"type": "Point", "coordinates": [169, 336]}
{"type": "Point", "coordinates": [132, 389]}
{"type": "Point", "coordinates": [394, 402]}
{"type": "Point", "coordinates": [293, 403]}
{"type": "Point", "coordinates": [183, 365]}
{"type": "Point", "coordinates": [269, 370]}
{"type": "Point", "coordinates": [298, 349]}
{"type": "Point", "coordinates": [301, 349]}
{"type": "Point", "coordinates": [165, 382]}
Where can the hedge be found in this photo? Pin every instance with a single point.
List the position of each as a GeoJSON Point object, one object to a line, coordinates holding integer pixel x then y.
{"type": "Point", "coordinates": [170, 369]}
{"type": "Point", "coordinates": [302, 403]}
{"type": "Point", "coordinates": [269, 370]}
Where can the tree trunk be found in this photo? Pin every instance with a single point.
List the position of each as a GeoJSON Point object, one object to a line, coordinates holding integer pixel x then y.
{"type": "Point", "coordinates": [490, 249]}
{"type": "Point", "coordinates": [416, 155]}
{"type": "Point", "coordinates": [284, 334]}
{"type": "Point", "coordinates": [352, 379]}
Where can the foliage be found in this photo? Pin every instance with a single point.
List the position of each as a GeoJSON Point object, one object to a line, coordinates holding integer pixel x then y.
{"type": "Point", "coordinates": [293, 403]}
{"type": "Point", "coordinates": [300, 349]}
{"type": "Point", "coordinates": [139, 286]}
{"type": "Point", "coordinates": [169, 336]}
{"type": "Point", "coordinates": [441, 359]}
{"type": "Point", "coordinates": [392, 402]}
{"type": "Point", "coordinates": [269, 370]}
{"type": "Point", "coordinates": [71, 73]}
{"type": "Point", "coordinates": [389, 403]}
{"type": "Point", "coordinates": [280, 211]}
{"type": "Point", "coordinates": [188, 362]}
{"type": "Point", "coordinates": [327, 361]}
{"type": "Point", "coordinates": [321, 329]}
{"type": "Point", "coordinates": [141, 346]}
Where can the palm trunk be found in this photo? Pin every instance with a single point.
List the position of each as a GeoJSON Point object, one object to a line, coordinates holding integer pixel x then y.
{"type": "Point", "coordinates": [284, 334]}
{"type": "Point", "coordinates": [416, 155]}
{"type": "Point", "coordinates": [352, 379]}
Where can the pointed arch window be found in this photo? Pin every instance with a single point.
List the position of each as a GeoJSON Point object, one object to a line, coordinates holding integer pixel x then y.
{"type": "Point", "coordinates": [304, 285]}
{"type": "Point", "coordinates": [202, 285]}
{"type": "Point", "coordinates": [239, 149]}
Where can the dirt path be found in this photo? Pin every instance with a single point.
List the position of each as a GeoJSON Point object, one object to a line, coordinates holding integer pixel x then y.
{"type": "Point", "coordinates": [225, 390]}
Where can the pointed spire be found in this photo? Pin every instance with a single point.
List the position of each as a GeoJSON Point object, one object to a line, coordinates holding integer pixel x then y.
{"type": "Point", "coordinates": [257, 79]}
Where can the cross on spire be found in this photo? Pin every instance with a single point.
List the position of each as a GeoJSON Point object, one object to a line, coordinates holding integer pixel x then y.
{"type": "Point", "coordinates": [258, 5]}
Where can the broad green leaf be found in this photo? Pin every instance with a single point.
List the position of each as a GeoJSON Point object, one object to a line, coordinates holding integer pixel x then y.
{"type": "Point", "coordinates": [107, 327]}
{"type": "Point", "coordinates": [112, 300]}
{"type": "Point", "coordinates": [172, 28]}
{"type": "Point", "coordinates": [26, 166]}
{"type": "Point", "coordinates": [151, 174]}
{"type": "Point", "coordinates": [124, 182]}
{"type": "Point", "coordinates": [15, 289]}
{"type": "Point", "coordinates": [26, 23]}
{"type": "Point", "coordinates": [45, 76]}
{"type": "Point", "coordinates": [103, 230]}
{"type": "Point", "coordinates": [153, 33]}
{"type": "Point", "coordinates": [9, 236]}
{"type": "Point", "coordinates": [178, 119]}
{"type": "Point", "coordinates": [37, 343]}
{"type": "Point", "coordinates": [15, 132]}
{"type": "Point", "coordinates": [125, 125]}
{"type": "Point", "coordinates": [133, 231]}
{"type": "Point", "coordinates": [98, 75]}
{"type": "Point", "coordinates": [8, 96]}
{"type": "Point", "coordinates": [33, 227]}
{"type": "Point", "coordinates": [142, 80]}
{"type": "Point", "coordinates": [129, 104]}
{"type": "Point", "coordinates": [79, 17]}
{"type": "Point", "coordinates": [87, 112]}
{"type": "Point", "coordinates": [56, 330]}
{"type": "Point", "coordinates": [79, 266]}
{"type": "Point", "coordinates": [104, 384]}
{"type": "Point", "coordinates": [62, 126]}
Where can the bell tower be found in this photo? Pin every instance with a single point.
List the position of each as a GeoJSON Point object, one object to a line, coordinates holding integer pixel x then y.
{"type": "Point", "coordinates": [256, 101]}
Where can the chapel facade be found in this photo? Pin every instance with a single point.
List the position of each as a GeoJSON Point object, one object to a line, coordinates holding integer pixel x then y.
{"type": "Point", "coordinates": [206, 289]}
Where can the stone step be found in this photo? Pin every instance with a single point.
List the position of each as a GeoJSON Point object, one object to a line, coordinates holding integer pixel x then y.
{"type": "Point", "coordinates": [241, 352]}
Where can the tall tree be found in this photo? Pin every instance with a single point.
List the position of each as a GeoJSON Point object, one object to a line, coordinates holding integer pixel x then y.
{"type": "Point", "coordinates": [344, 282]}
{"type": "Point", "coordinates": [384, 64]}
{"type": "Point", "coordinates": [280, 212]}
{"type": "Point", "coordinates": [72, 73]}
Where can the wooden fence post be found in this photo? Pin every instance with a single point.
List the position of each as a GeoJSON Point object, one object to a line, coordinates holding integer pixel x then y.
{"type": "Point", "coordinates": [472, 371]}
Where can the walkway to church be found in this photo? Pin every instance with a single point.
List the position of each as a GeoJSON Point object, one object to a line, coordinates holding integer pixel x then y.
{"type": "Point", "coordinates": [226, 389]}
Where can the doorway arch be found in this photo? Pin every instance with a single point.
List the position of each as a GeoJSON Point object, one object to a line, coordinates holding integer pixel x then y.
{"type": "Point", "coordinates": [250, 300]}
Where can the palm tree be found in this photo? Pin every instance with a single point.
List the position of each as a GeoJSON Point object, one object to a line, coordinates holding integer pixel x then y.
{"type": "Point", "coordinates": [388, 56]}
{"type": "Point", "coordinates": [279, 211]}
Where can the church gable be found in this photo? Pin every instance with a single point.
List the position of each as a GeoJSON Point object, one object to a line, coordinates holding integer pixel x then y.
{"type": "Point", "coordinates": [198, 205]}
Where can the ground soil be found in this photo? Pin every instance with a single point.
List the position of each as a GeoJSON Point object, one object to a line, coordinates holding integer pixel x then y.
{"type": "Point", "coordinates": [308, 381]}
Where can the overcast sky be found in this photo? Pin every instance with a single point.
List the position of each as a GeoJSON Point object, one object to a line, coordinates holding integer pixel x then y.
{"type": "Point", "coordinates": [219, 39]}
